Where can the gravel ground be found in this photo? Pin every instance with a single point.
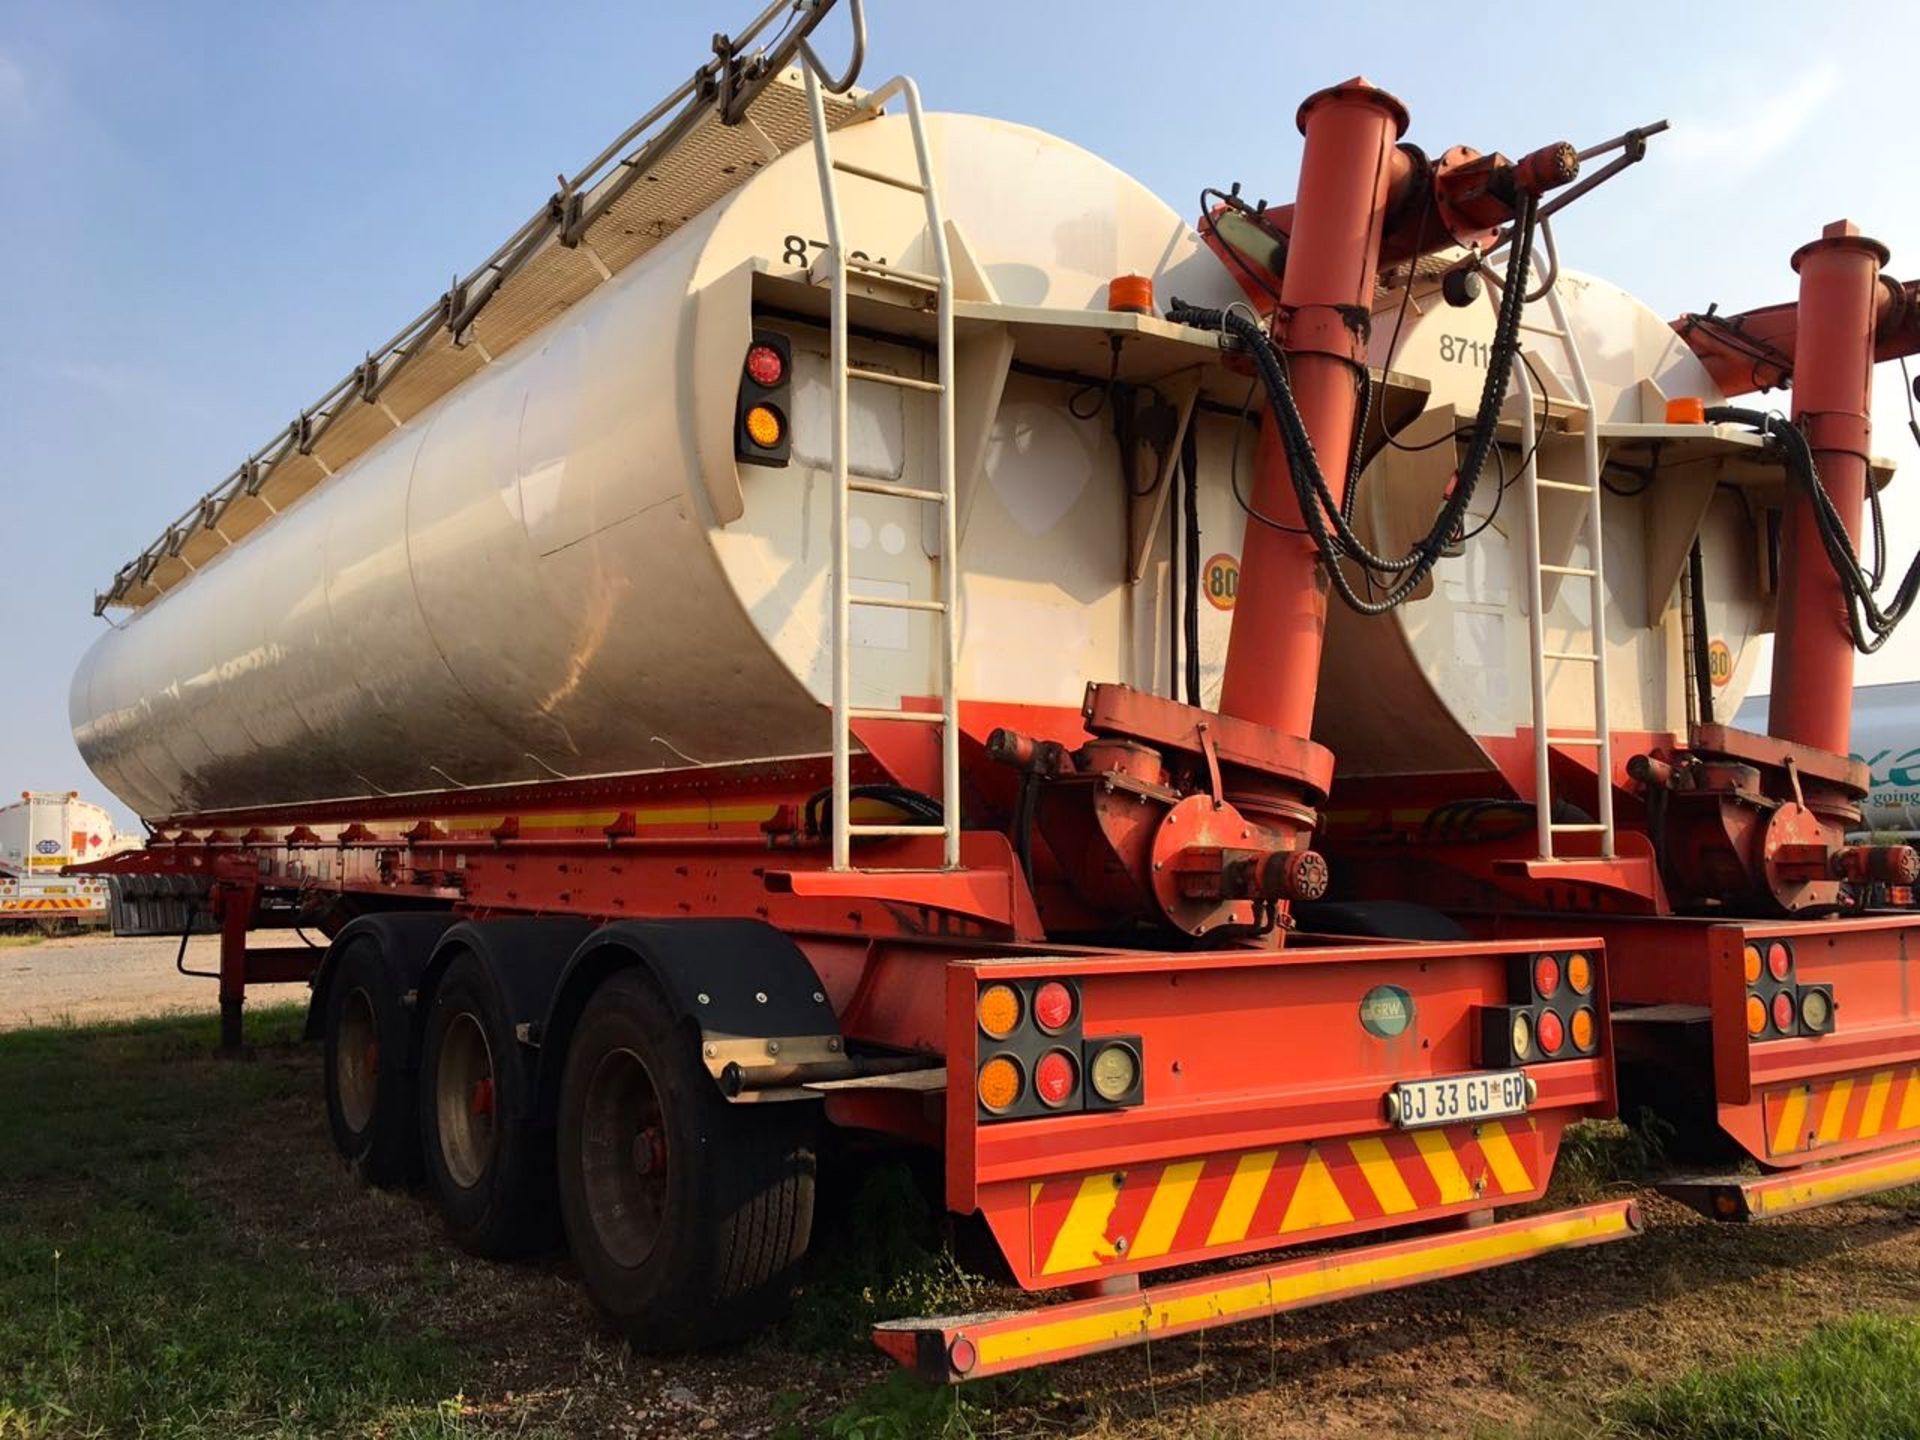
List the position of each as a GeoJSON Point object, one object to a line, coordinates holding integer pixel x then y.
{"type": "Point", "coordinates": [85, 978]}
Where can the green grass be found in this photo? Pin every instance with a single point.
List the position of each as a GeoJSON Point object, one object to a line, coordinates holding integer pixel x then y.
{"type": "Point", "coordinates": [1859, 1380]}
{"type": "Point", "coordinates": [126, 1307]}
{"type": "Point", "coordinates": [20, 941]}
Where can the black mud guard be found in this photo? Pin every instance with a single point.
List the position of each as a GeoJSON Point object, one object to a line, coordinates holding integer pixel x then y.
{"type": "Point", "coordinates": [406, 939]}
{"type": "Point", "coordinates": [526, 958]}
{"type": "Point", "coordinates": [747, 995]}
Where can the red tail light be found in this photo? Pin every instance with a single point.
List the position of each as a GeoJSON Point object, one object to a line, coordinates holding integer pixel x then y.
{"type": "Point", "coordinates": [1055, 1077]}
{"type": "Point", "coordinates": [1053, 1006]}
{"type": "Point", "coordinates": [766, 365]}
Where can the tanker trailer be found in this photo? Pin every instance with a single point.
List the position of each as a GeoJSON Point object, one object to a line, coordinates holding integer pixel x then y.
{"type": "Point", "coordinates": [823, 629]}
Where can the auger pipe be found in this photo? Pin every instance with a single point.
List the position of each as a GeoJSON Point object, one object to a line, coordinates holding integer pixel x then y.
{"type": "Point", "coordinates": [1835, 338]}
{"type": "Point", "coordinates": [1756, 349]}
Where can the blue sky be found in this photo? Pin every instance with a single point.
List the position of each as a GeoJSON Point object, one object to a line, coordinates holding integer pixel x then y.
{"type": "Point", "coordinates": [208, 211]}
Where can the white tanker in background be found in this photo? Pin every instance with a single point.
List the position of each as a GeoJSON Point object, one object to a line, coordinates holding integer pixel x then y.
{"type": "Point", "coordinates": [42, 833]}
{"type": "Point", "coordinates": [1886, 738]}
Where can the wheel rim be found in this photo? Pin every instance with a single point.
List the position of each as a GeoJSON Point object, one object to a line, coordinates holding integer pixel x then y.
{"type": "Point", "coordinates": [624, 1159]}
{"type": "Point", "coordinates": [463, 1098]}
{"type": "Point", "coordinates": [357, 1063]}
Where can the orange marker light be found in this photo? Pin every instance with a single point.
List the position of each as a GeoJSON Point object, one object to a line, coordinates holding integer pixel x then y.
{"type": "Point", "coordinates": [1000, 1082]}
{"type": "Point", "coordinates": [1756, 1015]}
{"type": "Point", "coordinates": [1579, 974]}
{"type": "Point", "coordinates": [1583, 1028]}
{"type": "Point", "coordinates": [1751, 955]}
{"type": "Point", "coordinates": [999, 1010]}
{"type": "Point", "coordinates": [1687, 410]}
{"type": "Point", "coordinates": [1132, 294]}
{"type": "Point", "coordinates": [764, 426]}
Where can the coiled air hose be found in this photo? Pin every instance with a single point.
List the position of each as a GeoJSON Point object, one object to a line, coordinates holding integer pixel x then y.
{"type": "Point", "coordinates": [1870, 624]}
{"type": "Point", "coordinates": [1327, 521]}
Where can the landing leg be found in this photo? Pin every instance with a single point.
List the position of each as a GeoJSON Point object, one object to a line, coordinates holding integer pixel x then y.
{"type": "Point", "coordinates": [236, 912]}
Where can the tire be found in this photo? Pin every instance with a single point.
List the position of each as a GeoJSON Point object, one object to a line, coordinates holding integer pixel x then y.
{"type": "Point", "coordinates": [685, 1214]}
{"type": "Point", "coordinates": [371, 1107]}
{"type": "Point", "coordinates": [488, 1161]}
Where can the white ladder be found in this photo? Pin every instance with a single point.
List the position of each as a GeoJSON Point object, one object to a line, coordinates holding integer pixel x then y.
{"type": "Point", "coordinates": [1594, 573]}
{"type": "Point", "coordinates": [943, 611]}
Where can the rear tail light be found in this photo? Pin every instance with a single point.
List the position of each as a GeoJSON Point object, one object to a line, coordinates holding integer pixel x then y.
{"type": "Point", "coordinates": [766, 365]}
{"type": "Point", "coordinates": [1778, 1006]}
{"type": "Point", "coordinates": [1000, 1082]}
{"type": "Point", "coordinates": [1056, 1078]}
{"type": "Point", "coordinates": [1552, 1015]}
{"type": "Point", "coordinates": [1551, 1031]}
{"type": "Point", "coordinates": [1546, 976]}
{"type": "Point", "coordinates": [1037, 1062]}
{"type": "Point", "coordinates": [1783, 1016]}
{"type": "Point", "coordinates": [1053, 1007]}
{"type": "Point", "coordinates": [760, 411]}
{"type": "Point", "coordinates": [1779, 960]}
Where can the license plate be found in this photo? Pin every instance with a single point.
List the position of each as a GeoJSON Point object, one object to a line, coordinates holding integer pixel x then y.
{"type": "Point", "coordinates": [1414, 1104]}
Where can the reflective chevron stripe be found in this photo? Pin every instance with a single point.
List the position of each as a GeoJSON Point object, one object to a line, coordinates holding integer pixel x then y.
{"type": "Point", "coordinates": [1844, 1108]}
{"type": "Point", "coordinates": [1187, 1208]}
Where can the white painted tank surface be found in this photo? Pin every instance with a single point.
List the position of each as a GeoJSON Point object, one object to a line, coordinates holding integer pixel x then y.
{"type": "Point", "coordinates": [558, 570]}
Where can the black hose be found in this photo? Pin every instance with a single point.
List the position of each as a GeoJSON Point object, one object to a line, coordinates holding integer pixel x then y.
{"type": "Point", "coordinates": [1702, 656]}
{"type": "Point", "coordinates": [921, 807]}
{"type": "Point", "coordinates": [1870, 624]}
{"type": "Point", "coordinates": [1326, 521]}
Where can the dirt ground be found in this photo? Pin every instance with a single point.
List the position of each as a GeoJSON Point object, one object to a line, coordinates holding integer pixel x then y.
{"type": "Point", "coordinates": [1499, 1353]}
{"type": "Point", "coordinates": [85, 978]}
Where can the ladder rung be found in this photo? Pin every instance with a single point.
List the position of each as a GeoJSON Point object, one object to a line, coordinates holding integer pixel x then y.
{"type": "Point", "coordinates": [1590, 828]}
{"type": "Point", "coordinates": [849, 168]}
{"type": "Point", "coordinates": [1553, 330]}
{"type": "Point", "coordinates": [1593, 740]}
{"type": "Point", "coordinates": [899, 492]}
{"type": "Point", "coordinates": [1567, 570]}
{"type": "Point", "coordinates": [1571, 655]}
{"type": "Point", "coordinates": [1546, 484]}
{"type": "Point", "coordinates": [921, 717]}
{"type": "Point", "coordinates": [889, 602]}
{"type": "Point", "coordinates": [858, 830]}
{"type": "Point", "coordinates": [894, 273]}
{"type": "Point", "coordinates": [905, 382]}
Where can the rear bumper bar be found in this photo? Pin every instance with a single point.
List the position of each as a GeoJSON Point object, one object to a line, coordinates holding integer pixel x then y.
{"type": "Point", "coordinates": [971, 1347]}
{"type": "Point", "coordinates": [1758, 1197]}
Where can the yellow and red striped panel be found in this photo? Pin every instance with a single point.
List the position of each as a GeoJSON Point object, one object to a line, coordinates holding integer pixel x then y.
{"type": "Point", "coordinates": [67, 903]}
{"type": "Point", "coordinates": [1185, 1209]}
{"type": "Point", "coordinates": [1817, 1113]}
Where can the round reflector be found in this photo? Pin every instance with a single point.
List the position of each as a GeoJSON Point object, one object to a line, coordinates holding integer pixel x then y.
{"type": "Point", "coordinates": [1546, 976]}
{"type": "Point", "coordinates": [1783, 1011]}
{"type": "Point", "coordinates": [1583, 1028]}
{"type": "Point", "coordinates": [1751, 957]}
{"type": "Point", "coordinates": [962, 1354]}
{"type": "Point", "coordinates": [1053, 1006]}
{"type": "Point", "coordinates": [1580, 973]}
{"type": "Point", "coordinates": [765, 365]}
{"type": "Point", "coordinates": [1779, 960]}
{"type": "Point", "coordinates": [1756, 1014]}
{"type": "Point", "coordinates": [1520, 1037]}
{"type": "Point", "coordinates": [1114, 1072]}
{"type": "Point", "coordinates": [999, 1010]}
{"type": "Point", "coordinates": [1816, 1009]}
{"type": "Point", "coordinates": [1000, 1082]}
{"type": "Point", "coordinates": [764, 427]}
{"type": "Point", "coordinates": [1552, 1031]}
{"type": "Point", "coordinates": [1055, 1078]}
